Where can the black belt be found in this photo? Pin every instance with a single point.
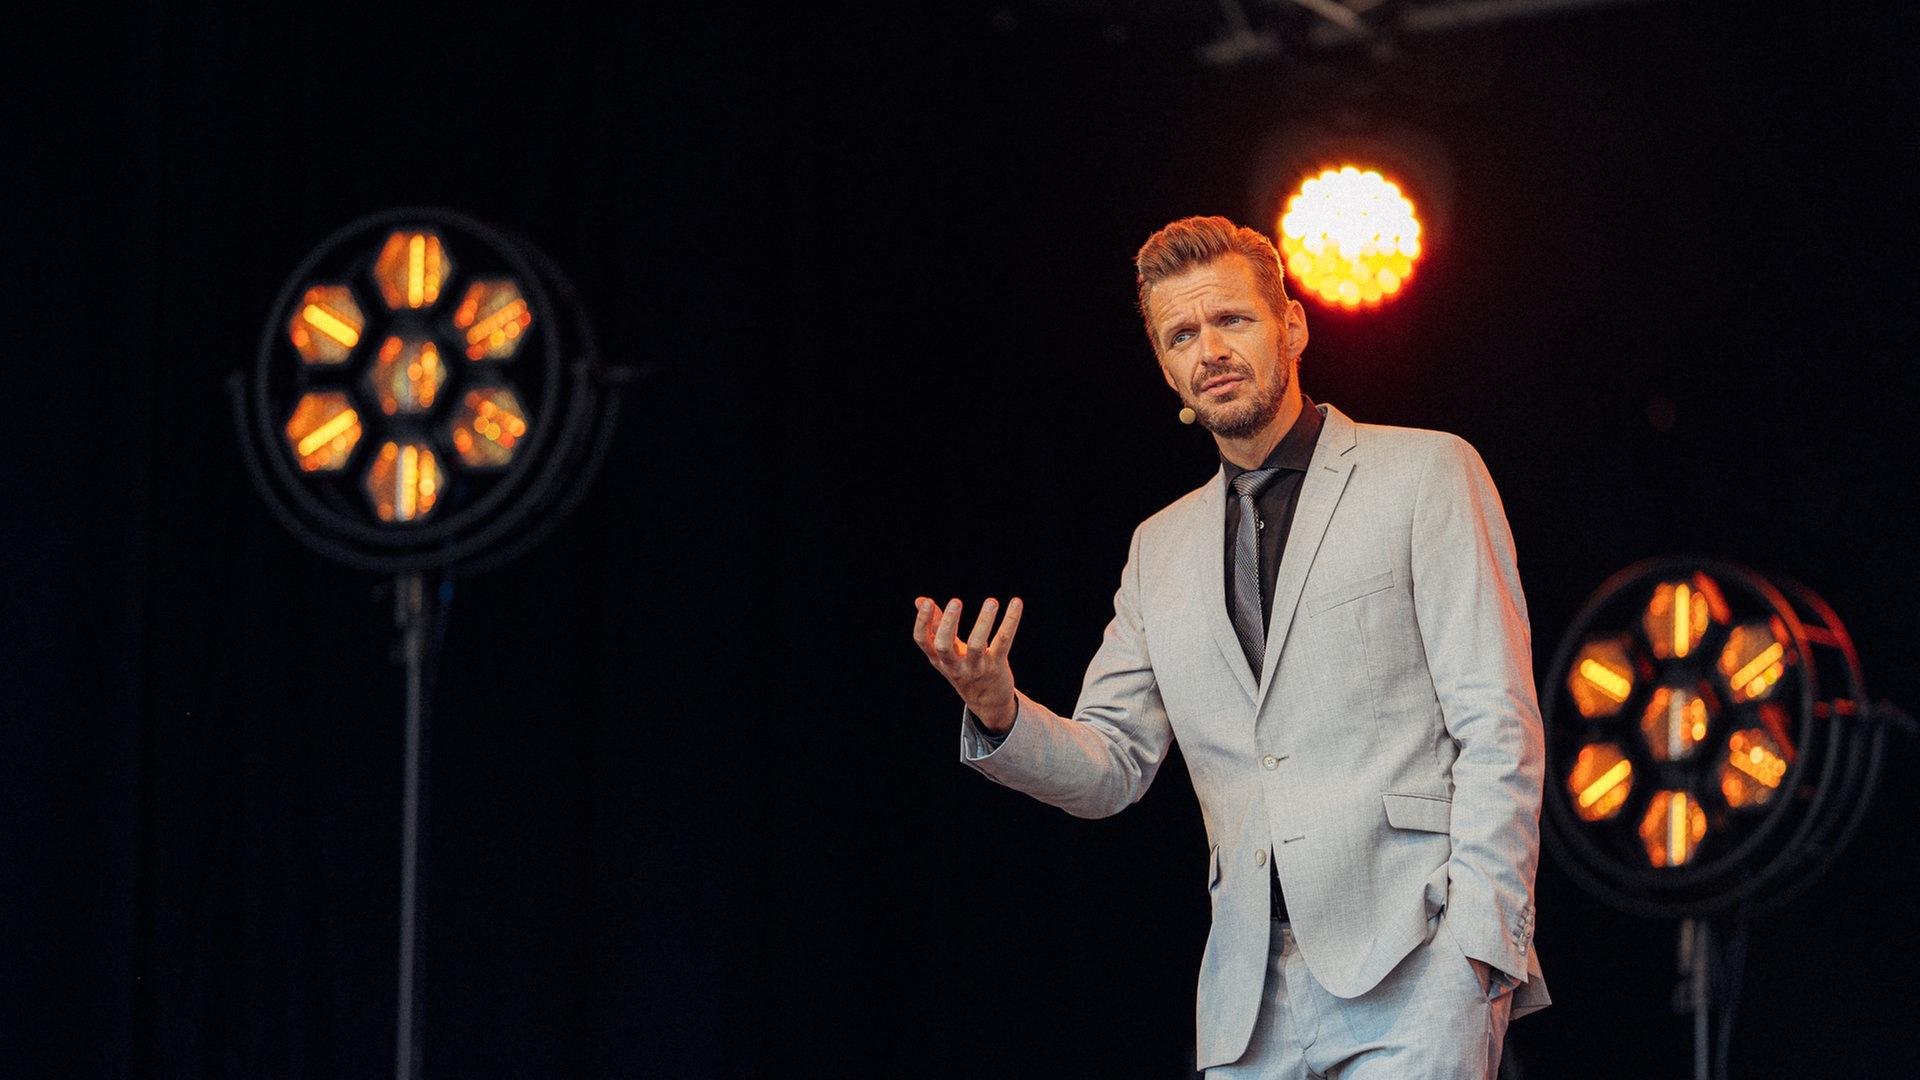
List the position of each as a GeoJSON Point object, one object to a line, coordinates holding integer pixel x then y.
{"type": "Point", "coordinates": [1279, 900]}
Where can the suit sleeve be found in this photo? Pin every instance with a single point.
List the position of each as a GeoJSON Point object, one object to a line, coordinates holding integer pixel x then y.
{"type": "Point", "coordinates": [1100, 760]}
{"type": "Point", "coordinates": [1473, 625]}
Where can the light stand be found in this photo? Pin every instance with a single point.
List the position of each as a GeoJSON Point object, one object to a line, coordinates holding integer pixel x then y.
{"type": "Point", "coordinates": [427, 395]}
{"type": "Point", "coordinates": [410, 618]}
{"type": "Point", "coordinates": [1711, 751]}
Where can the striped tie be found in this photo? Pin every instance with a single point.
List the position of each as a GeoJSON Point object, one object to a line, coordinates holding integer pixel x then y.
{"type": "Point", "coordinates": [1249, 620]}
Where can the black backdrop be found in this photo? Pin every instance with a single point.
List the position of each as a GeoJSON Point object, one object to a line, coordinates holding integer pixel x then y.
{"type": "Point", "coordinates": [694, 803]}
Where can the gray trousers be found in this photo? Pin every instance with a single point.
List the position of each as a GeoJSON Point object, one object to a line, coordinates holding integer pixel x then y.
{"type": "Point", "coordinates": [1427, 1020]}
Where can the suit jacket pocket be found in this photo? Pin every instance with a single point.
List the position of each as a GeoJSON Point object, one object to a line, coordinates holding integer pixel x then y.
{"type": "Point", "coordinates": [1348, 592]}
{"type": "Point", "coordinates": [1422, 813]}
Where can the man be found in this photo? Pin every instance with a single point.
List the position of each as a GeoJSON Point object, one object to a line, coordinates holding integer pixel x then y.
{"type": "Point", "coordinates": [1368, 763]}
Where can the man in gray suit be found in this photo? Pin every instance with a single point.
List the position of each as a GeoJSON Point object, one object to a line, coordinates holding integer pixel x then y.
{"type": "Point", "coordinates": [1334, 630]}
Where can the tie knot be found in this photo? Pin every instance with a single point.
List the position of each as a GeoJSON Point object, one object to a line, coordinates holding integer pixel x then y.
{"type": "Point", "coordinates": [1248, 484]}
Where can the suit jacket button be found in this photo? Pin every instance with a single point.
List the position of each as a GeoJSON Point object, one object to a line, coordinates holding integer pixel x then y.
{"type": "Point", "coordinates": [1260, 857]}
{"type": "Point", "coordinates": [1270, 761]}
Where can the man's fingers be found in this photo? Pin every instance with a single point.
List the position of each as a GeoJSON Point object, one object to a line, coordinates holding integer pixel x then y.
{"type": "Point", "coordinates": [923, 610]}
{"type": "Point", "coordinates": [948, 626]}
{"type": "Point", "coordinates": [936, 630]}
{"type": "Point", "coordinates": [983, 626]}
{"type": "Point", "coordinates": [1009, 625]}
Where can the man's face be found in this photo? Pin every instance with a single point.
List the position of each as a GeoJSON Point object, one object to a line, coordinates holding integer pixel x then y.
{"type": "Point", "coordinates": [1223, 349]}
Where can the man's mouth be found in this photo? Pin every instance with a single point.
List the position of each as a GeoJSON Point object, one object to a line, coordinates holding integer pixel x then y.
{"type": "Point", "coordinates": [1221, 385]}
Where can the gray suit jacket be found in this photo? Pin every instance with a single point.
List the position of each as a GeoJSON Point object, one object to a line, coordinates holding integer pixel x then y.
{"type": "Point", "coordinates": [1389, 759]}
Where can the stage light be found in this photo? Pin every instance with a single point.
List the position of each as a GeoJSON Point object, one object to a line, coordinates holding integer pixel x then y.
{"type": "Point", "coordinates": [1754, 660]}
{"type": "Point", "coordinates": [410, 269]}
{"type": "Point", "coordinates": [404, 481]}
{"type": "Point", "coordinates": [1600, 781]}
{"type": "Point", "coordinates": [1601, 677]}
{"type": "Point", "coordinates": [426, 395]}
{"type": "Point", "coordinates": [1678, 615]}
{"type": "Point", "coordinates": [1672, 828]}
{"type": "Point", "coordinates": [323, 431]}
{"type": "Point", "coordinates": [1351, 209]}
{"type": "Point", "coordinates": [1675, 723]}
{"type": "Point", "coordinates": [487, 428]}
{"type": "Point", "coordinates": [327, 326]}
{"type": "Point", "coordinates": [414, 433]}
{"type": "Point", "coordinates": [1710, 751]}
{"type": "Point", "coordinates": [1734, 706]}
{"type": "Point", "coordinates": [491, 318]}
{"type": "Point", "coordinates": [1755, 764]}
{"type": "Point", "coordinates": [406, 375]}
{"type": "Point", "coordinates": [1350, 237]}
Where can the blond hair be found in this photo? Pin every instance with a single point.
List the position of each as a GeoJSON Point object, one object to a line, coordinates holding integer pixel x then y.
{"type": "Point", "coordinates": [1197, 241]}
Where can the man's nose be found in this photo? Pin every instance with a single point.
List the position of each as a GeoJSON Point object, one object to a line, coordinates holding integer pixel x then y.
{"type": "Point", "coordinates": [1213, 343]}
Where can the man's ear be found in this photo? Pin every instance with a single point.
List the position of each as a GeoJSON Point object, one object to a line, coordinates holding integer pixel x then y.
{"type": "Point", "coordinates": [1296, 328]}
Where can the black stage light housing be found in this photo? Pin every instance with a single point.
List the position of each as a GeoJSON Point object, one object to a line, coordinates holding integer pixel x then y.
{"type": "Point", "coordinates": [427, 394]}
{"type": "Point", "coordinates": [1709, 739]}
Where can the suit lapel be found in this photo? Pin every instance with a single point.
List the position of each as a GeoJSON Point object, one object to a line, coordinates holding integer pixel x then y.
{"type": "Point", "coordinates": [1320, 492]}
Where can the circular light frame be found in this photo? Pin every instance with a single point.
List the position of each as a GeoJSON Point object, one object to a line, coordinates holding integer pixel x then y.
{"type": "Point", "coordinates": [1811, 700]}
{"type": "Point", "coordinates": [483, 514]}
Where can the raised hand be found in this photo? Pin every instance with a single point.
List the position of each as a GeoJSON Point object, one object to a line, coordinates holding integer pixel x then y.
{"type": "Point", "coordinates": [977, 667]}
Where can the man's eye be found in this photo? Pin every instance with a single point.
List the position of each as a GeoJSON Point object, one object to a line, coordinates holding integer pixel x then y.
{"type": "Point", "coordinates": [1181, 337]}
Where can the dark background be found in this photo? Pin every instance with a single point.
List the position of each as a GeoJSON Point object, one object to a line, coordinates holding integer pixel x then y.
{"type": "Point", "coordinates": [695, 809]}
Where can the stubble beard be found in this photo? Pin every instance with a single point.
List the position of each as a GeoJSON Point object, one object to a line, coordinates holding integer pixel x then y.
{"type": "Point", "coordinates": [1238, 419]}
